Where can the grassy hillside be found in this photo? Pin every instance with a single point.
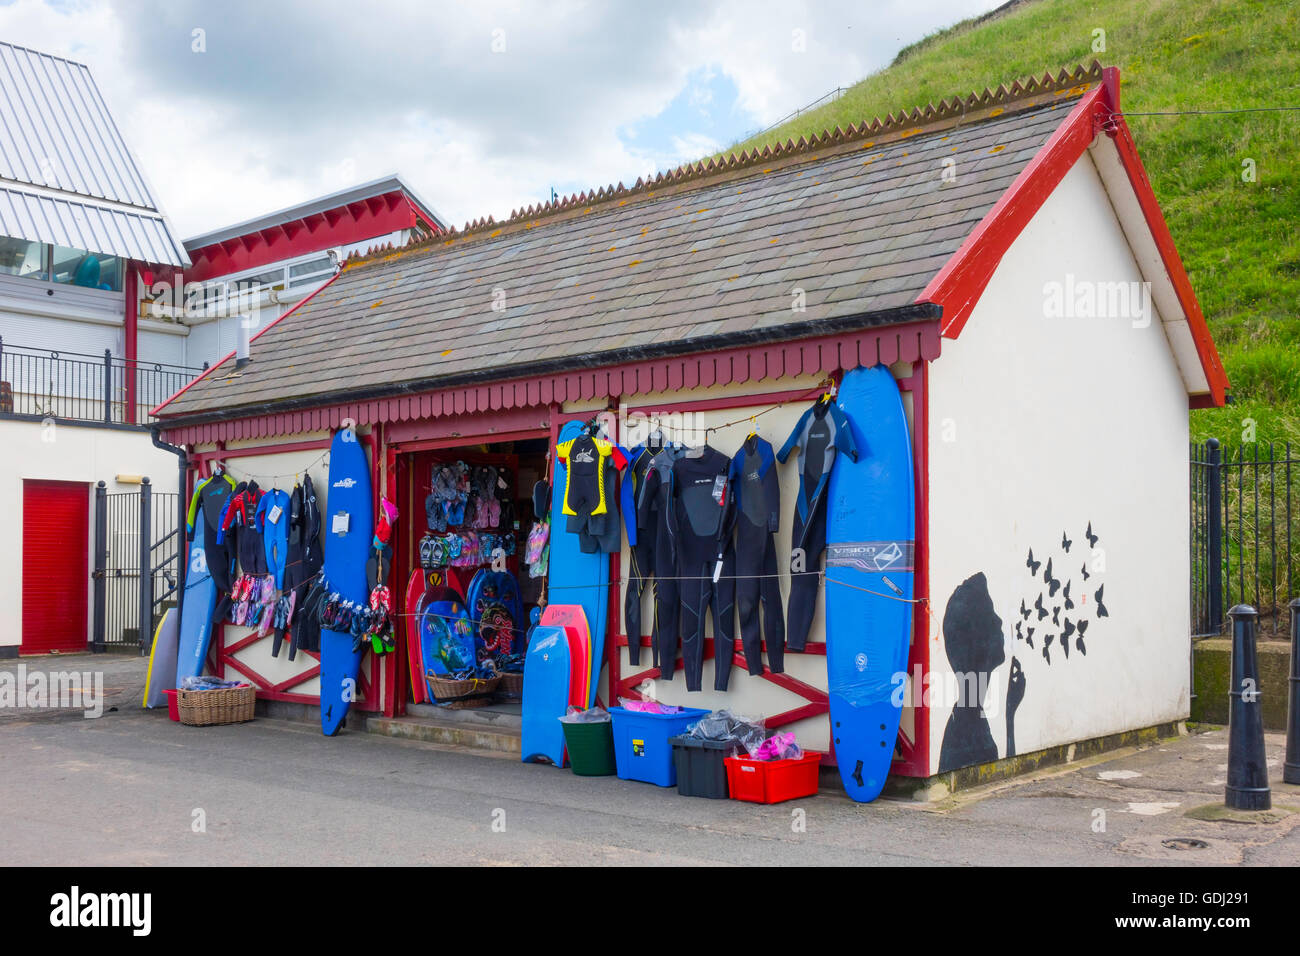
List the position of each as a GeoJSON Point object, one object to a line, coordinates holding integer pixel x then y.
{"type": "Point", "coordinates": [1240, 241]}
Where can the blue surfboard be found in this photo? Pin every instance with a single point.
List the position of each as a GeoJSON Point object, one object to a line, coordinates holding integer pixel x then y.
{"type": "Point", "coordinates": [575, 577]}
{"type": "Point", "coordinates": [349, 525]}
{"type": "Point", "coordinates": [546, 695]}
{"type": "Point", "coordinates": [869, 545]}
{"type": "Point", "coordinates": [196, 609]}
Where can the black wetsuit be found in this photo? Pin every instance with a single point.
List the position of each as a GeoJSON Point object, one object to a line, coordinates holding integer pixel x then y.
{"type": "Point", "coordinates": [701, 516]}
{"type": "Point", "coordinates": [306, 557]}
{"type": "Point", "coordinates": [640, 550]}
{"type": "Point", "coordinates": [652, 524]}
{"type": "Point", "coordinates": [821, 432]}
{"type": "Point", "coordinates": [758, 515]}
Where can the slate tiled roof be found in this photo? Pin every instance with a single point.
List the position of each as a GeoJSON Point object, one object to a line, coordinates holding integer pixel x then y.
{"type": "Point", "coordinates": [859, 225]}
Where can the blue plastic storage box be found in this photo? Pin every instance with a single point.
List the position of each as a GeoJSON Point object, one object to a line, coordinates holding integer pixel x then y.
{"type": "Point", "coordinates": [641, 747]}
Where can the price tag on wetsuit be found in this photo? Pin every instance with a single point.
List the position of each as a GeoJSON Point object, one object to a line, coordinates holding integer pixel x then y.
{"type": "Point", "coordinates": [720, 491]}
{"type": "Point", "coordinates": [717, 570]}
{"type": "Point", "coordinates": [273, 515]}
{"type": "Point", "coordinates": [340, 523]}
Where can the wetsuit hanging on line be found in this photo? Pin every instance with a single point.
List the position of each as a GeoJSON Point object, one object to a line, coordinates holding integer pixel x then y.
{"type": "Point", "coordinates": [822, 431]}
{"type": "Point", "coordinates": [272, 522]}
{"type": "Point", "coordinates": [758, 515]}
{"type": "Point", "coordinates": [652, 528]}
{"type": "Point", "coordinates": [591, 480]}
{"type": "Point", "coordinates": [210, 498]}
{"type": "Point", "coordinates": [701, 516]}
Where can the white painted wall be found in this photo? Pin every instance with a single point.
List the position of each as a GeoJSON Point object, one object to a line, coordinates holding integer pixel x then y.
{"type": "Point", "coordinates": [1039, 426]}
{"type": "Point", "coordinates": [63, 453]}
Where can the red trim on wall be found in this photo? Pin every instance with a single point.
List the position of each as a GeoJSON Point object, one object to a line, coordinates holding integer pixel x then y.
{"type": "Point", "coordinates": [347, 224]}
{"type": "Point", "coordinates": [957, 287]}
{"type": "Point", "coordinates": [1199, 327]}
{"type": "Point", "coordinates": [131, 335]}
{"type": "Point", "coordinates": [211, 369]}
{"type": "Point", "coordinates": [909, 342]}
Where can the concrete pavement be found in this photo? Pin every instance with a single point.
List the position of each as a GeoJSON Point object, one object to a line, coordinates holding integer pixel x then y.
{"type": "Point", "coordinates": [131, 787]}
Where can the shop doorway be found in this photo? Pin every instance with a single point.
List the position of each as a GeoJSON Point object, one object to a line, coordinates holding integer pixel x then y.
{"type": "Point", "coordinates": [471, 510]}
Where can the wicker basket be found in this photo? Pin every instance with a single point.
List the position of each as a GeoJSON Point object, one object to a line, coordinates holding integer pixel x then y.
{"type": "Point", "coordinates": [463, 694]}
{"type": "Point", "coordinates": [226, 705]}
{"type": "Point", "coordinates": [512, 685]}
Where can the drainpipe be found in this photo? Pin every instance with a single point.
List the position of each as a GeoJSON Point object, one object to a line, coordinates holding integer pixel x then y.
{"type": "Point", "coordinates": [183, 467]}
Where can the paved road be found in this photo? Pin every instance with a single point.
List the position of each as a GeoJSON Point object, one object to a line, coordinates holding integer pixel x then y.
{"type": "Point", "coordinates": [128, 787]}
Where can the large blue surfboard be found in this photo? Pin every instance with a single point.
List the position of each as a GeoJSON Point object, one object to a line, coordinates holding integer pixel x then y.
{"type": "Point", "coordinates": [870, 529]}
{"type": "Point", "coordinates": [546, 694]}
{"type": "Point", "coordinates": [349, 526]}
{"type": "Point", "coordinates": [196, 609]}
{"type": "Point", "coordinates": [575, 577]}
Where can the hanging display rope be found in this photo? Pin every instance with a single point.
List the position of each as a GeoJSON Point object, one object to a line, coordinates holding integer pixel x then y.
{"type": "Point", "coordinates": [822, 386]}
{"type": "Point", "coordinates": [323, 457]}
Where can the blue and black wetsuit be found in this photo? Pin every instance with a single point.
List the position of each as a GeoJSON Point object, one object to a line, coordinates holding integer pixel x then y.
{"type": "Point", "coordinates": [701, 516]}
{"type": "Point", "coordinates": [758, 515]}
{"type": "Point", "coordinates": [652, 528]}
{"type": "Point", "coordinates": [822, 431]}
{"type": "Point", "coordinates": [275, 533]}
{"type": "Point", "coordinates": [210, 498]}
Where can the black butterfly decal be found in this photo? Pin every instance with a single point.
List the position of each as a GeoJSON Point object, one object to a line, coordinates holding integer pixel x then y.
{"type": "Point", "coordinates": [1019, 634]}
{"type": "Point", "coordinates": [1083, 626]}
{"type": "Point", "coordinates": [1024, 611]}
{"type": "Point", "coordinates": [1078, 646]}
{"type": "Point", "coordinates": [1047, 652]}
{"type": "Point", "coordinates": [1031, 564]}
{"type": "Point", "coordinates": [1086, 575]}
{"type": "Point", "coordinates": [1056, 615]}
{"type": "Point", "coordinates": [1065, 542]}
{"type": "Point", "coordinates": [1101, 608]}
{"type": "Point", "coordinates": [1038, 606]}
{"type": "Point", "coordinates": [1069, 605]}
{"type": "Point", "coordinates": [1092, 538]}
{"type": "Point", "coordinates": [1069, 629]}
{"type": "Point", "coordinates": [1053, 585]}
{"type": "Point", "coordinates": [1029, 637]}
{"type": "Point", "coordinates": [1065, 647]}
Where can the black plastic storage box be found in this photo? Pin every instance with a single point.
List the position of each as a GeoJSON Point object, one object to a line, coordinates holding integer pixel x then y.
{"type": "Point", "coordinates": [700, 768]}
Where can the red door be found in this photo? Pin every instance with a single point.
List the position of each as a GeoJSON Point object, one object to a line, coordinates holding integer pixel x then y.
{"type": "Point", "coordinates": [56, 566]}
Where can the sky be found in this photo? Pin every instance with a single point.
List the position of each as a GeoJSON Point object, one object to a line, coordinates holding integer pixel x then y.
{"type": "Point", "coordinates": [239, 108]}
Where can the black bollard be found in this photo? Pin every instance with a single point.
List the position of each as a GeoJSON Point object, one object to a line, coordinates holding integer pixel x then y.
{"type": "Point", "coordinates": [1291, 769]}
{"type": "Point", "coordinates": [1247, 787]}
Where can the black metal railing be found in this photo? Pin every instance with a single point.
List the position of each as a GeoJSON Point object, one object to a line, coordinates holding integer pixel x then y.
{"type": "Point", "coordinates": [133, 530]}
{"type": "Point", "coordinates": [83, 387]}
{"type": "Point", "coordinates": [1245, 509]}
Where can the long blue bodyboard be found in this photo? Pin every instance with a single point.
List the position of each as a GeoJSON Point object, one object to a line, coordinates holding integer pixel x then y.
{"type": "Point", "coordinates": [349, 526]}
{"type": "Point", "coordinates": [546, 694]}
{"type": "Point", "coordinates": [196, 609]}
{"type": "Point", "coordinates": [869, 566]}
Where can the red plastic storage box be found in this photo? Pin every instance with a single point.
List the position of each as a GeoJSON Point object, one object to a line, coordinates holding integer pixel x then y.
{"type": "Point", "coordinates": [772, 781]}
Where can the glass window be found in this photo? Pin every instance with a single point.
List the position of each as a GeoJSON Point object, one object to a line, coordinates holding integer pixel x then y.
{"type": "Point", "coordinates": [89, 270]}
{"type": "Point", "coordinates": [310, 270]}
{"type": "Point", "coordinates": [18, 257]}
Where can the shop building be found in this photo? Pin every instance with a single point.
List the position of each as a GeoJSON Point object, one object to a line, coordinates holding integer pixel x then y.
{"type": "Point", "coordinates": [1002, 254]}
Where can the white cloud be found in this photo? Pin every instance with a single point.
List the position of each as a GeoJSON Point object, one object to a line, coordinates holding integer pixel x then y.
{"type": "Point", "coordinates": [293, 99]}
